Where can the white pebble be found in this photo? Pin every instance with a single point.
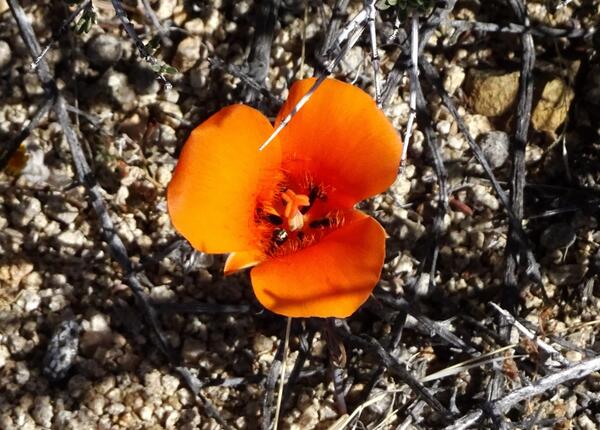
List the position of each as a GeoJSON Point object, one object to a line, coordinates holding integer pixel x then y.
{"type": "Point", "coordinates": [43, 411]}
{"type": "Point", "coordinates": [443, 127]}
{"type": "Point", "coordinates": [29, 208]}
{"type": "Point", "coordinates": [146, 413]}
{"type": "Point", "coordinates": [31, 300]}
{"type": "Point", "coordinates": [5, 54]}
{"type": "Point", "coordinates": [170, 384]}
{"type": "Point", "coordinates": [22, 373]}
{"type": "Point", "coordinates": [71, 238]}
{"type": "Point", "coordinates": [171, 419]}
{"type": "Point", "coordinates": [455, 75]}
{"type": "Point", "coordinates": [4, 354]}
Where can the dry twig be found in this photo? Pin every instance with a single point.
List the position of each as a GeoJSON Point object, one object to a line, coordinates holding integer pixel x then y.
{"type": "Point", "coordinates": [393, 365]}
{"type": "Point", "coordinates": [514, 246]}
{"type": "Point", "coordinates": [528, 334]}
{"type": "Point", "coordinates": [260, 50]}
{"type": "Point", "coordinates": [503, 405]}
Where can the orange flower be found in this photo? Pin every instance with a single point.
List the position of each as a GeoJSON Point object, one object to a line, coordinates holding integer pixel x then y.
{"type": "Point", "coordinates": [289, 209]}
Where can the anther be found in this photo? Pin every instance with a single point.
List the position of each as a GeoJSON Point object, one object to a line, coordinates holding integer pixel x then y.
{"type": "Point", "coordinates": [279, 236]}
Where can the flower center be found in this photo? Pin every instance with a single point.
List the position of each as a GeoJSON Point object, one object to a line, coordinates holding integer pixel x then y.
{"type": "Point", "coordinates": [295, 216]}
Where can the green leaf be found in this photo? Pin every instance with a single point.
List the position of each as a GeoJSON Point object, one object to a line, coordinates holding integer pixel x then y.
{"type": "Point", "coordinates": [169, 70]}
{"type": "Point", "coordinates": [85, 23]}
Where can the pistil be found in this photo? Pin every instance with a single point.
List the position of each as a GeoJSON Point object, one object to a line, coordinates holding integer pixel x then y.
{"type": "Point", "coordinates": [293, 203]}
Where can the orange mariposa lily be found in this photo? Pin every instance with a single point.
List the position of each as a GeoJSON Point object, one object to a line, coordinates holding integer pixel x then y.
{"type": "Point", "coordinates": [289, 210]}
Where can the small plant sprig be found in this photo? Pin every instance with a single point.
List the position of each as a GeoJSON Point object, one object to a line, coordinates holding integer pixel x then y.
{"type": "Point", "coordinates": [160, 68]}
{"type": "Point", "coordinates": [88, 19]}
{"type": "Point", "coordinates": [88, 16]}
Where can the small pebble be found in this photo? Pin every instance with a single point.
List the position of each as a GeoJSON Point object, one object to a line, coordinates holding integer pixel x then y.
{"type": "Point", "coordinates": [165, 9]}
{"type": "Point", "coordinates": [196, 26]}
{"type": "Point", "coordinates": [171, 419]}
{"type": "Point", "coordinates": [43, 411]}
{"type": "Point", "coordinates": [494, 145]}
{"type": "Point", "coordinates": [5, 54]}
{"type": "Point", "coordinates": [187, 54]}
{"type": "Point", "coordinates": [115, 409]}
{"type": "Point", "coordinates": [170, 384]}
{"type": "Point", "coordinates": [585, 423]}
{"type": "Point", "coordinates": [4, 354]}
{"type": "Point", "coordinates": [71, 239]}
{"type": "Point", "coordinates": [104, 50]}
{"type": "Point", "coordinates": [22, 373]}
{"type": "Point", "coordinates": [118, 88]}
{"type": "Point", "coordinates": [262, 344]}
{"type": "Point", "coordinates": [62, 350]}
{"type": "Point", "coordinates": [443, 127]}
{"type": "Point", "coordinates": [309, 418]}
{"type": "Point", "coordinates": [146, 412]}
{"type": "Point", "coordinates": [16, 344]}
{"type": "Point", "coordinates": [455, 75]}
{"type": "Point", "coordinates": [29, 207]}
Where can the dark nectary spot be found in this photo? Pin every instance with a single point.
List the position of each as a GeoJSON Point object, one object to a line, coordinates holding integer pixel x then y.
{"type": "Point", "coordinates": [274, 219]}
{"type": "Point", "coordinates": [320, 223]}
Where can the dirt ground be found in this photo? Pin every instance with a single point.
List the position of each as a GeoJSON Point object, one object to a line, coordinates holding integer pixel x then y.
{"type": "Point", "coordinates": [472, 325]}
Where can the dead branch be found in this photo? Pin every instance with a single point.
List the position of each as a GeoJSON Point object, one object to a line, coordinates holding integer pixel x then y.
{"type": "Point", "coordinates": [514, 28]}
{"type": "Point", "coordinates": [514, 248]}
{"type": "Point", "coordinates": [260, 50]}
{"type": "Point", "coordinates": [425, 121]}
{"type": "Point", "coordinates": [543, 345]}
{"type": "Point", "coordinates": [151, 16]}
{"type": "Point", "coordinates": [305, 341]}
{"type": "Point", "coordinates": [268, 387]}
{"type": "Point", "coordinates": [438, 16]}
{"type": "Point", "coordinates": [347, 37]}
{"type": "Point", "coordinates": [199, 308]}
{"type": "Point", "coordinates": [371, 15]}
{"type": "Point", "coordinates": [392, 365]}
{"type": "Point", "coordinates": [503, 405]}
{"type": "Point", "coordinates": [427, 325]}
{"type": "Point", "coordinates": [338, 13]}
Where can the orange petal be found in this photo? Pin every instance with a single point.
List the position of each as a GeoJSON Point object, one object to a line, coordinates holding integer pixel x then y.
{"type": "Point", "coordinates": [331, 278]}
{"type": "Point", "coordinates": [345, 140]}
{"type": "Point", "coordinates": [242, 260]}
{"type": "Point", "coordinates": [220, 173]}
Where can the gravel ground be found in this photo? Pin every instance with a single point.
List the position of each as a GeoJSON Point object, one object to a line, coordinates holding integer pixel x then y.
{"type": "Point", "coordinates": [75, 352]}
